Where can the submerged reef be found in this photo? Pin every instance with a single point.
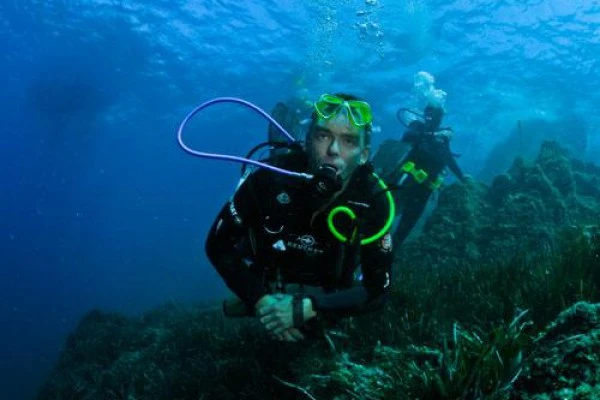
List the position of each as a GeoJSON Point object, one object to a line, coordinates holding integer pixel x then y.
{"type": "Point", "coordinates": [524, 210]}
{"type": "Point", "coordinates": [565, 363]}
{"type": "Point", "coordinates": [570, 130]}
{"type": "Point", "coordinates": [499, 298]}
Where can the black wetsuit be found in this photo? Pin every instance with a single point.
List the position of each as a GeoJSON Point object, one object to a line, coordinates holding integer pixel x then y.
{"type": "Point", "coordinates": [429, 153]}
{"type": "Point", "coordinates": [269, 230]}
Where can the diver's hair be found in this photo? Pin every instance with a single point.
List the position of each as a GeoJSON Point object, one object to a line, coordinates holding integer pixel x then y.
{"type": "Point", "coordinates": [314, 118]}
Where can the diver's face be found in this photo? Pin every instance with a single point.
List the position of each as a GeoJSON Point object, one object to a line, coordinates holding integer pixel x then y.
{"type": "Point", "coordinates": [338, 143]}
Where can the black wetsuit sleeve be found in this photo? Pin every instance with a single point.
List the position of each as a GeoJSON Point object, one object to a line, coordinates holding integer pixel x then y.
{"type": "Point", "coordinates": [451, 162]}
{"type": "Point", "coordinates": [228, 244]}
{"type": "Point", "coordinates": [376, 264]}
{"type": "Point", "coordinates": [370, 296]}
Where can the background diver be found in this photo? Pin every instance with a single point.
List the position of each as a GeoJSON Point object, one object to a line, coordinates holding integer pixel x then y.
{"type": "Point", "coordinates": [421, 171]}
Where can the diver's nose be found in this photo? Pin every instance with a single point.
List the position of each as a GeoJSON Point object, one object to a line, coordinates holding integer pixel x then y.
{"type": "Point", "coordinates": [334, 147]}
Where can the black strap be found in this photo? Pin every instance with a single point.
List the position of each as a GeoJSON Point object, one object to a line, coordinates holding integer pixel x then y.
{"type": "Point", "coordinates": [298, 310]}
{"type": "Point", "coordinates": [295, 147]}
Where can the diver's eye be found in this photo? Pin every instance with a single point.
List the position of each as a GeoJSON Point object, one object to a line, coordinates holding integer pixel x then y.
{"type": "Point", "coordinates": [322, 135]}
{"type": "Point", "coordinates": [351, 141]}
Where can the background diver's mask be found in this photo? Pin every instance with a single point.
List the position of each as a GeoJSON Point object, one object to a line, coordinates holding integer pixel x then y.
{"type": "Point", "coordinates": [358, 112]}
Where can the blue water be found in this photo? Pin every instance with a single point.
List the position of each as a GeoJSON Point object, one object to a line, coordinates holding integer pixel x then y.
{"type": "Point", "coordinates": [99, 206]}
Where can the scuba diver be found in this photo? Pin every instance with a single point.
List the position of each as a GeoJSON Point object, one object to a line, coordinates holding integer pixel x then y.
{"type": "Point", "coordinates": [298, 253]}
{"type": "Point", "coordinates": [421, 171]}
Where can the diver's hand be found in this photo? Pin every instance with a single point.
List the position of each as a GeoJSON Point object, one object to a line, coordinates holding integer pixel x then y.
{"type": "Point", "coordinates": [263, 306]}
{"type": "Point", "coordinates": [276, 313]}
{"type": "Point", "coordinates": [289, 335]}
{"type": "Point", "coordinates": [277, 316]}
{"type": "Point", "coordinates": [265, 301]}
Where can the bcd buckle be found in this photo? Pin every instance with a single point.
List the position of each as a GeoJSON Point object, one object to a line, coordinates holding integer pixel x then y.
{"type": "Point", "coordinates": [419, 174]}
{"type": "Point", "coordinates": [436, 184]}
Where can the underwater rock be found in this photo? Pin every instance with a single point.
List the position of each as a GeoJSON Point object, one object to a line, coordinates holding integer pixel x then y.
{"type": "Point", "coordinates": [565, 363]}
{"type": "Point", "coordinates": [524, 141]}
{"type": "Point", "coordinates": [553, 161]}
{"type": "Point", "coordinates": [501, 186]}
{"type": "Point", "coordinates": [171, 352]}
{"type": "Point", "coordinates": [524, 210]}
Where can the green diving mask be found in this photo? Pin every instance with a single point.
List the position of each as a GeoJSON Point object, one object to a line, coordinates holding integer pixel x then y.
{"type": "Point", "coordinates": [359, 112]}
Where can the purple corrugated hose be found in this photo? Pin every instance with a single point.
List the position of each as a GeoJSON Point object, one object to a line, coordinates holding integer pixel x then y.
{"type": "Point", "coordinates": [214, 156]}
